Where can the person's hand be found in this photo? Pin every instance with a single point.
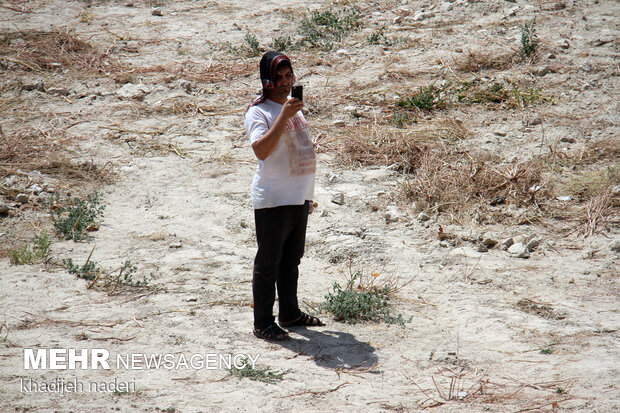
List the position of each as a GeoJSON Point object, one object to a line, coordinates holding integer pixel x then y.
{"type": "Point", "coordinates": [291, 107]}
{"type": "Point", "coordinates": [310, 207]}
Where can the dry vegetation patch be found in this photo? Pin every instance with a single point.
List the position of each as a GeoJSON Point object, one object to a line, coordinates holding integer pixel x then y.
{"type": "Point", "coordinates": [41, 51]}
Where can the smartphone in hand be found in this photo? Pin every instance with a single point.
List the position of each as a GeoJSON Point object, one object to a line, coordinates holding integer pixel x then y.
{"type": "Point", "coordinates": [297, 92]}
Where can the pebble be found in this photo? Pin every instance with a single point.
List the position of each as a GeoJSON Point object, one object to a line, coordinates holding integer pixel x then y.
{"type": "Point", "coordinates": [340, 123]}
{"type": "Point", "coordinates": [615, 246]}
{"type": "Point", "coordinates": [541, 71]}
{"type": "Point", "coordinates": [131, 91]}
{"type": "Point", "coordinates": [567, 139]}
{"type": "Point", "coordinates": [22, 198]}
{"type": "Point", "coordinates": [499, 133]}
{"type": "Point", "coordinates": [513, 11]}
{"type": "Point", "coordinates": [507, 243]}
{"type": "Point", "coordinates": [489, 242]}
{"type": "Point", "coordinates": [58, 91]}
{"type": "Point", "coordinates": [338, 198]}
{"type": "Point", "coordinates": [35, 189]}
{"type": "Point", "coordinates": [392, 214]}
{"type": "Point", "coordinates": [564, 198]}
{"type": "Point", "coordinates": [157, 12]}
{"type": "Point", "coordinates": [185, 85]}
{"type": "Point", "coordinates": [4, 209]}
{"type": "Point", "coordinates": [533, 244]}
{"type": "Point", "coordinates": [422, 217]}
{"type": "Point", "coordinates": [482, 248]}
{"type": "Point", "coordinates": [535, 121]}
{"type": "Point", "coordinates": [34, 86]}
{"type": "Point", "coordinates": [564, 44]}
{"type": "Point", "coordinates": [176, 245]}
{"type": "Point", "coordinates": [519, 250]}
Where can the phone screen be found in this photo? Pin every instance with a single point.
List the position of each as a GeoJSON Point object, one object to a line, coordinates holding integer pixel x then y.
{"type": "Point", "coordinates": [298, 92]}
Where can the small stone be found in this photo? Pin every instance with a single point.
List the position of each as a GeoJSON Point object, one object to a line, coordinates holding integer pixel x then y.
{"type": "Point", "coordinates": [507, 243]}
{"type": "Point", "coordinates": [339, 123]}
{"type": "Point", "coordinates": [444, 244]}
{"type": "Point", "coordinates": [397, 20]}
{"type": "Point", "coordinates": [35, 189]}
{"type": "Point", "coordinates": [392, 214]}
{"type": "Point", "coordinates": [324, 213]}
{"type": "Point", "coordinates": [4, 209]}
{"type": "Point", "coordinates": [533, 244]}
{"type": "Point", "coordinates": [22, 198]}
{"type": "Point", "coordinates": [542, 71]}
{"type": "Point", "coordinates": [171, 409]}
{"type": "Point", "coordinates": [482, 248]}
{"type": "Point", "coordinates": [338, 198]}
{"type": "Point", "coordinates": [519, 250]}
{"type": "Point", "coordinates": [34, 86]}
{"type": "Point", "coordinates": [489, 242]}
{"type": "Point", "coordinates": [567, 139]}
{"type": "Point", "coordinates": [58, 91]}
{"type": "Point", "coordinates": [535, 121]}
{"type": "Point", "coordinates": [185, 85]}
{"type": "Point", "coordinates": [615, 246]}
{"type": "Point", "coordinates": [176, 245]}
{"type": "Point", "coordinates": [513, 11]}
{"type": "Point", "coordinates": [157, 12]}
{"type": "Point", "coordinates": [499, 133]}
{"type": "Point", "coordinates": [422, 217]}
{"type": "Point", "coordinates": [131, 91]}
{"type": "Point", "coordinates": [564, 44]}
{"type": "Point", "coordinates": [458, 50]}
{"type": "Point", "coordinates": [564, 198]}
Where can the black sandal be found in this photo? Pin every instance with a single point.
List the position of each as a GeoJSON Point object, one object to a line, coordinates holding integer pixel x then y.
{"type": "Point", "coordinates": [271, 332]}
{"type": "Point", "coordinates": [304, 320]}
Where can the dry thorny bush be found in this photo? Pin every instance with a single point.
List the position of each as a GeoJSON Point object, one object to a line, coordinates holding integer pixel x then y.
{"type": "Point", "coordinates": [440, 176]}
{"type": "Point", "coordinates": [40, 51]}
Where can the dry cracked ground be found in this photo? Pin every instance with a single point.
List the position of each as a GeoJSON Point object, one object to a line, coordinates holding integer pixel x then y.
{"type": "Point", "coordinates": [468, 159]}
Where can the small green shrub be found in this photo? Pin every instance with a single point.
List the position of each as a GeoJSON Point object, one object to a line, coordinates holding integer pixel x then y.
{"type": "Point", "coordinates": [281, 44]}
{"type": "Point", "coordinates": [252, 44]}
{"type": "Point", "coordinates": [350, 305]}
{"type": "Point", "coordinates": [108, 279]}
{"type": "Point", "coordinates": [29, 254]}
{"type": "Point", "coordinates": [321, 29]}
{"type": "Point", "coordinates": [529, 40]}
{"type": "Point", "coordinates": [378, 37]}
{"type": "Point", "coordinates": [73, 216]}
{"type": "Point", "coordinates": [428, 98]}
{"type": "Point", "coordinates": [266, 375]}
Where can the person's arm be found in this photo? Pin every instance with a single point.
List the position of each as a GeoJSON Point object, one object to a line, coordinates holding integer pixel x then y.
{"type": "Point", "coordinates": [265, 145]}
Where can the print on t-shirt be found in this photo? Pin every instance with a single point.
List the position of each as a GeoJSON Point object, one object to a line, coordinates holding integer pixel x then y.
{"type": "Point", "coordinates": [299, 147]}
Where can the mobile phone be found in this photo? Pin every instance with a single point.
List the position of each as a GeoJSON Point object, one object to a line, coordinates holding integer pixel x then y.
{"type": "Point", "coordinates": [297, 92]}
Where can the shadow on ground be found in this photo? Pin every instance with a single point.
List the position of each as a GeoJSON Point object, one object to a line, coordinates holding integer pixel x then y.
{"type": "Point", "coordinates": [332, 349]}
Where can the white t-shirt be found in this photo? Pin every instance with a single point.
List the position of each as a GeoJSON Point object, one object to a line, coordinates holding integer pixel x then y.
{"type": "Point", "coordinates": [286, 176]}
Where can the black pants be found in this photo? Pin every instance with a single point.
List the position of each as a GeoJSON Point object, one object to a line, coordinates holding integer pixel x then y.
{"type": "Point", "coordinates": [281, 236]}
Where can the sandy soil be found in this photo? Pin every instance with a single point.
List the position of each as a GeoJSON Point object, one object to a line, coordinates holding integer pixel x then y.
{"type": "Point", "coordinates": [488, 331]}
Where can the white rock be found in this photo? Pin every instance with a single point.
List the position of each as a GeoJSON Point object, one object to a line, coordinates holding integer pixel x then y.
{"type": "Point", "coordinates": [157, 11]}
{"type": "Point", "coordinates": [533, 244]}
{"type": "Point", "coordinates": [507, 243]}
{"type": "Point", "coordinates": [422, 217]}
{"type": "Point", "coordinates": [35, 189]}
{"type": "Point", "coordinates": [131, 91]}
{"type": "Point", "coordinates": [519, 250]}
{"type": "Point", "coordinates": [340, 123]}
{"type": "Point", "coordinates": [466, 252]}
{"type": "Point", "coordinates": [392, 214]}
{"type": "Point", "coordinates": [338, 198]}
{"type": "Point", "coordinates": [22, 198]}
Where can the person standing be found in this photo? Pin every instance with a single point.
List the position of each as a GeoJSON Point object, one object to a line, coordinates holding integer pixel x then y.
{"type": "Point", "coordinates": [282, 192]}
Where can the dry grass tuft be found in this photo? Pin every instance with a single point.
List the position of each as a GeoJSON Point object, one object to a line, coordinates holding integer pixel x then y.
{"type": "Point", "coordinates": [28, 151]}
{"type": "Point", "coordinates": [206, 73]}
{"type": "Point", "coordinates": [40, 51]}
{"type": "Point", "coordinates": [404, 149]}
{"type": "Point", "coordinates": [478, 60]}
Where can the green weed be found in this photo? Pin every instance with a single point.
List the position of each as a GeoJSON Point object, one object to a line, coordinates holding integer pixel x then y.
{"type": "Point", "coordinates": [529, 40]}
{"type": "Point", "coordinates": [378, 37]}
{"type": "Point", "coordinates": [351, 305]}
{"type": "Point", "coordinates": [321, 29]}
{"type": "Point", "coordinates": [73, 216]}
{"type": "Point", "coordinates": [108, 279]}
{"type": "Point", "coordinates": [281, 44]}
{"type": "Point", "coordinates": [252, 44]}
{"type": "Point", "coordinates": [266, 375]}
{"type": "Point", "coordinates": [428, 98]}
{"type": "Point", "coordinates": [29, 254]}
